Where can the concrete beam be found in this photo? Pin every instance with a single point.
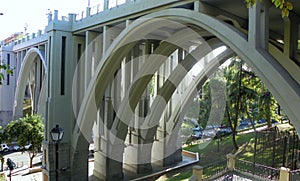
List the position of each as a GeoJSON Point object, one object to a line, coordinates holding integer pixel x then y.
{"type": "Point", "coordinates": [258, 34]}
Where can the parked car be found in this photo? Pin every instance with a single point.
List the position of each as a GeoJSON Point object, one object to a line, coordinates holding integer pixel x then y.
{"type": "Point", "coordinates": [15, 148]}
{"type": "Point", "coordinates": [273, 121]}
{"type": "Point", "coordinates": [197, 134]}
{"type": "Point", "coordinates": [18, 148]}
{"type": "Point", "coordinates": [261, 121]}
{"type": "Point", "coordinates": [4, 147]}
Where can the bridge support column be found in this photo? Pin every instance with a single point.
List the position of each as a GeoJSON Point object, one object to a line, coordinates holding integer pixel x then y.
{"type": "Point", "coordinates": [291, 38]}
{"type": "Point", "coordinates": [107, 165]}
{"type": "Point", "coordinates": [166, 149]}
{"type": "Point", "coordinates": [59, 107]}
{"type": "Point", "coordinates": [108, 158]}
{"type": "Point", "coordinates": [137, 156]}
{"type": "Point", "coordinates": [259, 25]}
{"type": "Point", "coordinates": [53, 171]}
{"type": "Point", "coordinates": [90, 56]}
{"type": "Point", "coordinates": [80, 165]}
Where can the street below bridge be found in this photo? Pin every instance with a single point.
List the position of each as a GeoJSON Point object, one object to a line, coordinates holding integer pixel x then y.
{"type": "Point", "coordinates": [21, 159]}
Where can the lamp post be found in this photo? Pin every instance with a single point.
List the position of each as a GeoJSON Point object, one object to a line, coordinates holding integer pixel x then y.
{"type": "Point", "coordinates": [56, 135]}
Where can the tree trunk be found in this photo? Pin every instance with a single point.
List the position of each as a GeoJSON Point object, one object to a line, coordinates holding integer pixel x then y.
{"type": "Point", "coordinates": [31, 156]}
{"type": "Point", "coordinates": [268, 117]}
{"type": "Point", "coordinates": [252, 121]}
{"type": "Point", "coordinates": [236, 146]}
{"type": "Point", "coordinates": [237, 108]}
{"type": "Point", "coordinates": [30, 162]}
{"type": "Point", "coordinates": [233, 128]}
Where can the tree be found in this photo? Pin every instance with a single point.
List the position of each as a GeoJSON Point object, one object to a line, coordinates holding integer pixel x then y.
{"type": "Point", "coordinates": [27, 130]}
{"type": "Point", "coordinates": [210, 101]}
{"type": "Point", "coordinates": [204, 105]}
{"type": "Point", "coordinates": [1, 140]}
{"type": "Point", "coordinates": [267, 105]}
{"type": "Point", "coordinates": [239, 94]}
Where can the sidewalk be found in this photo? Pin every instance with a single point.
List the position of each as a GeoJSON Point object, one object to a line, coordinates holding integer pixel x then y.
{"type": "Point", "coordinates": [35, 174]}
{"type": "Point", "coordinates": [23, 173]}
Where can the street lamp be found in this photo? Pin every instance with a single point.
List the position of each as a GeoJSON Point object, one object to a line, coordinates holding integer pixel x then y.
{"type": "Point", "coordinates": [56, 135]}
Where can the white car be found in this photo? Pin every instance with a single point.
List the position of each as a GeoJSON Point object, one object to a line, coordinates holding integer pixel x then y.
{"type": "Point", "coordinates": [27, 147]}
{"type": "Point", "coordinates": [4, 147]}
{"type": "Point", "coordinates": [18, 148]}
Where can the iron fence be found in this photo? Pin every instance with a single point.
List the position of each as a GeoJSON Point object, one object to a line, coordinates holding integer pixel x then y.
{"type": "Point", "coordinates": [295, 175]}
{"type": "Point", "coordinates": [258, 170]}
{"type": "Point", "coordinates": [214, 169]}
{"type": "Point", "coordinates": [276, 149]}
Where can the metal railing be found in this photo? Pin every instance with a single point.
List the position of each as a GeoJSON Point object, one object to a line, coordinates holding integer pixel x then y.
{"type": "Point", "coordinates": [295, 174]}
{"type": "Point", "coordinates": [258, 170]}
{"type": "Point", "coordinates": [105, 5]}
{"type": "Point", "coordinates": [214, 169]}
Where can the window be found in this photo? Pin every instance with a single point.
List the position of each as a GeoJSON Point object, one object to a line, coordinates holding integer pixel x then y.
{"type": "Point", "coordinates": [63, 62]}
{"type": "Point", "coordinates": [8, 64]}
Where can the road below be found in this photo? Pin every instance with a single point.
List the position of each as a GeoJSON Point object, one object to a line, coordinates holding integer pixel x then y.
{"type": "Point", "coordinates": [21, 159]}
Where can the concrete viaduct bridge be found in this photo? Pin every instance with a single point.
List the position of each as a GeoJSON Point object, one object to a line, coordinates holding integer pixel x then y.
{"type": "Point", "coordinates": [119, 75]}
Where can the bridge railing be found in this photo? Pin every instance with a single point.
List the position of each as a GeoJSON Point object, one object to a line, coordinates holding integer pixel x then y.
{"type": "Point", "coordinates": [21, 38]}
{"type": "Point", "coordinates": [258, 170]}
{"type": "Point", "coordinates": [29, 39]}
{"type": "Point", "coordinates": [294, 175]}
{"type": "Point", "coordinates": [105, 5]}
{"type": "Point", "coordinates": [214, 169]}
{"type": "Point", "coordinates": [244, 169]}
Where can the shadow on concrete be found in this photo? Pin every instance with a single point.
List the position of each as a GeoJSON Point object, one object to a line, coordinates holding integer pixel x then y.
{"type": "Point", "coordinates": [188, 159]}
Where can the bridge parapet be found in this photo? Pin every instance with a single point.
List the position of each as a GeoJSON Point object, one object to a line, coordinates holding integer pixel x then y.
{"type": "Point", "coordinates": [30, 40]}
{"type": "Point", "coordinates": [106, 5]}
{"type": "Point", "coordinates": [117, 12]}
{"type": "Point", "coordinates": [53, 17]}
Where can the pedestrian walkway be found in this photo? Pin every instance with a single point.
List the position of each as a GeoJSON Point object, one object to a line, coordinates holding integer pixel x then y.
{"type": "Point", "coordinates": [25, 174]}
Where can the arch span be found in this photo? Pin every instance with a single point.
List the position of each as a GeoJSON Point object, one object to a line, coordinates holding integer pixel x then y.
{"type": "Point", "coordinates": [144, 146]}
{"type": "Point", "coordinates": [180, 109]}
{"type": "Point", "coordinates": [276, 78]}
{"type": "Point", "coordinates": [27, 64]}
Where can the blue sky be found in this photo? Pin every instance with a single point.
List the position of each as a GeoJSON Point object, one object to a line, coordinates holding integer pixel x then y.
{"type": "Point", "coordinates": [19, 14]}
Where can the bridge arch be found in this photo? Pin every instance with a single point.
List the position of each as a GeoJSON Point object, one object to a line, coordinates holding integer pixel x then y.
{"type": "Point", "coordinates": [33, 55]}
{"type": "Point", "coordinates": [176, 76]}
{"type": "Point", "coordinates": [275, 77]}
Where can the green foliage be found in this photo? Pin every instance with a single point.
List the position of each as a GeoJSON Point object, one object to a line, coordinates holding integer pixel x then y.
{"type": "Point", "coordinates": [152, 86]}
{"type": "Point", "coordinates": [2, 177]}
{"type": "Point", "coordinates": [250, 3]}
{"type": "Point", "coordinates": [240, 93]}
{"type": "Point", "coordinates": [27, 130]}
{"type": "Point", "coordinates": [210, 103]}
{"type": "Point", "coordinates": [205, 149]}
{"type": "Point", "coordinates": [284, 5]}
{"type": "Point", "coordinates": [7, 69]}
{"type": "Point", "coordinates": [247, 98]}
{"type": "Point", "coordinates": [204, 105]}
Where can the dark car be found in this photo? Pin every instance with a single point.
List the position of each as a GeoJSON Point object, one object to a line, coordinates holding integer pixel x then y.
{"type": "Point", "coordinates": [273, 121]}
{"type": "Point", "coordinates": [261, 121]}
